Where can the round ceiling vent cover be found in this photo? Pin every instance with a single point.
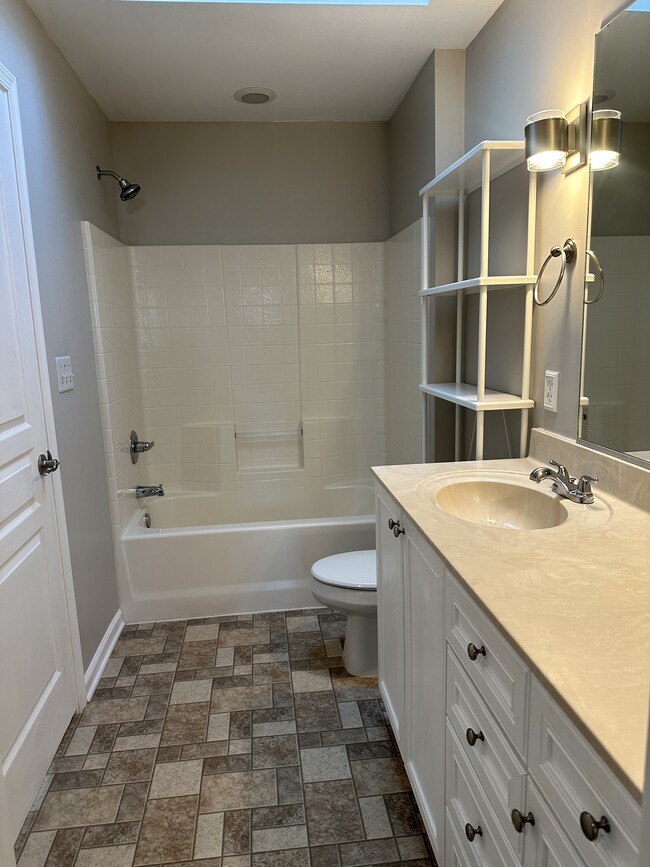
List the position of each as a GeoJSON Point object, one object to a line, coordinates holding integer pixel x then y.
{"type": "Point", "coordinates": [254, 95]}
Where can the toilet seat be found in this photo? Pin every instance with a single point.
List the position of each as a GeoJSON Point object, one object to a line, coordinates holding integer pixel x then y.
{"type": "Point", "coordinates": [354, 570]}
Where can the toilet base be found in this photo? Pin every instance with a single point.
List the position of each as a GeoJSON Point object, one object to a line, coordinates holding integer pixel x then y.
{"type": "Point", "coordinates": [360, 648]}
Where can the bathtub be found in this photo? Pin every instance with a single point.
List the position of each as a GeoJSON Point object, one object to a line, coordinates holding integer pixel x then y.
{"type": "Point", "coordinates": [251, 550]}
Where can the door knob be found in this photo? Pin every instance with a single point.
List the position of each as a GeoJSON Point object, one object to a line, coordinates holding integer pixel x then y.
{"type": "Point", "coordinates": [47, 464]}
{"type": "Point", "coordinates": [471, 832]}
{"type": "Point", "coordinates": [473, 736]}
{"type": "Point", "coordinates": [474, 652]}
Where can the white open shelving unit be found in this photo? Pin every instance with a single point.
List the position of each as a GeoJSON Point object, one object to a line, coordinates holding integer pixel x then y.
{"type": "Point", "coordinates": [475, 170]}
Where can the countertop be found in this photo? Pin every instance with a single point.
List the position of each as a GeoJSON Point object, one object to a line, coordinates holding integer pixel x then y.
{"type": "Point", "coordinates": [574, 602]}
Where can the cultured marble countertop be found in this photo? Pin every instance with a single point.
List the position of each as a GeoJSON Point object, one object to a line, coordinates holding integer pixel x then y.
{"type": "Point", "coordinates": [575, 603]}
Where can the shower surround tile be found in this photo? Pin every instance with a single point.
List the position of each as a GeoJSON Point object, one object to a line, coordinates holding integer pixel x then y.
{"type": "Point", "coordinates": [300, 770]}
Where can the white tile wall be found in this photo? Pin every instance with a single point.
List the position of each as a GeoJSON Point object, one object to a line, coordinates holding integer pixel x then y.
{"type": "Point", "coordinates": [403, 283]}
{"type": "Point", "coordinates": [205, 341]}
{"type": "Point", "coordinates": [617, 365]}
{"type": "Point", "coordinates": [113, 316]}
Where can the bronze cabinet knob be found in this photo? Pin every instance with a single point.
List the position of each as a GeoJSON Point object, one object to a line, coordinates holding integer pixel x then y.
{"type": "Point", "coordinates": [591, 828]}
{"type": "Point", "coordinates": [471, 833]}
{"type": "Point", "coordinates": [473, 736]}
{"type": "Point", "coordinates": [520, 821]}
{"type": "Point", "coordinates": [474, 652]}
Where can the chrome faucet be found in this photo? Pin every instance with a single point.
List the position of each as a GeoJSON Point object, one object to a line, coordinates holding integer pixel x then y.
{"type": "Point", "coordinates": [149, 491]}
{"type": "Point", "coordinates": [578, 491]}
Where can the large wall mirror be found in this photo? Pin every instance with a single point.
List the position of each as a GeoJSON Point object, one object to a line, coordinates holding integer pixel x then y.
{"type": "Point", "coordinates": [615, 396]}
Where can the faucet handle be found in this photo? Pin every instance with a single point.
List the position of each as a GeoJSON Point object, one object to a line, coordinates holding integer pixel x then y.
{"type": "Point", "coordinates": [584, 484]}
{"type": "Point", "coordinates": [562, 471]}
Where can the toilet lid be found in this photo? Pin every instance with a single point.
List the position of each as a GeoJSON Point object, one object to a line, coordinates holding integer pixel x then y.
{"type": "Point", "coordinates": [354, 569]}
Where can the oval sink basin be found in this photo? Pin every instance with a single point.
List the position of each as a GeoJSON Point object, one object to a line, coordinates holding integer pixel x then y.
{"type": "Point", "coordinates": [500, 504]}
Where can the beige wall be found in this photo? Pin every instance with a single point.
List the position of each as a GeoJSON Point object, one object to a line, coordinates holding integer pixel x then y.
{"type": "Point", "coordinates": [65, 135]}
{"type": "Point", "coordinates": [253, 183]}
{"type": "Point", "coordinates": [521, 62]}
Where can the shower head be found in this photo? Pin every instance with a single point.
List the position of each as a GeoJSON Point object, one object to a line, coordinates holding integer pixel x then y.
{"type": "Point", "coordinates": [127, 190]}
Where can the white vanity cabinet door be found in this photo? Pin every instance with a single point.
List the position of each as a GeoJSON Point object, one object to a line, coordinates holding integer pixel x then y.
{"type": "Point", "coordinates": [390, 610]}
{"type": "Point", "coordinates": [425, 680]}
{"type": "Point", "coordinates": [454, 849]}
{"type": "Point", "coordinates": [546, 845]}
{"type": "Point", "coordinates": [574, 779]}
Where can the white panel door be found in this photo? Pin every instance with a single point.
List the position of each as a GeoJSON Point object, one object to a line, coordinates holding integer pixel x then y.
{"type": "Point", "coordinates": [37, 673]}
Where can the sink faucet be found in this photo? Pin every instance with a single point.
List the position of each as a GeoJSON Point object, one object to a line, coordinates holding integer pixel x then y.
{"type": "Point", "coordinates": [578, 491]}
{"type": "Point", "coordinates": [149, 491]}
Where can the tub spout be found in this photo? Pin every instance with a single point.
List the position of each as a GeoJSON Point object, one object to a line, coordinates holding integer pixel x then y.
{"type": "Point", "coordinates": [149, 491]}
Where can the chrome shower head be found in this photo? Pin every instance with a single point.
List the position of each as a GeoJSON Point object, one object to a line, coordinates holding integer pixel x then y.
{"type": "Point", "coordinates": [127, 190]}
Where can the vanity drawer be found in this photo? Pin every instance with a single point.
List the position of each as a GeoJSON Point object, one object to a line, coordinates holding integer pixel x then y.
{"type": "Point", "coordinates": [467, 804]}
{"type": "Point", "coordinates": [498, 672]}
{"type": "Point", "coordinates": [491, 757]}
{"type": "Point", "coordinates": [574, 779]}
{"type": "Point", "coordinates": [455, 855]}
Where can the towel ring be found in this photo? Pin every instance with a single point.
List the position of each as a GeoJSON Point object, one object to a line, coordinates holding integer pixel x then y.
{"type": "Point", "coordinates": [567, 252]}
{"type": "Point", "coordinates": [601, 276]}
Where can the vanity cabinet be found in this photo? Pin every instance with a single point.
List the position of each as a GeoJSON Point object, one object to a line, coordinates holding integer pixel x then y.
{"type": "Point", "coordinates": [410, 586]}
{"type": "Point", "coordinates": [479, 735]}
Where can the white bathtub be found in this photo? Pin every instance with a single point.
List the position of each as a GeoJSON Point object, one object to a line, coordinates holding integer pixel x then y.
{"type": "Point", "coordinates": [208, 554]}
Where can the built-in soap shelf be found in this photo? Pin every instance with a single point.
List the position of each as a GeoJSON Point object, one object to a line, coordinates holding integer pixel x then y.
{"type": "Point", "coordinates": [265, 446]}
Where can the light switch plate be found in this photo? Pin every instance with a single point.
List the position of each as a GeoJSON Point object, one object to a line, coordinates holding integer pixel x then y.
{"type": "Point", "coordinates": [64, 374]}
{"type": "Point", "coordinates": [551, 384]}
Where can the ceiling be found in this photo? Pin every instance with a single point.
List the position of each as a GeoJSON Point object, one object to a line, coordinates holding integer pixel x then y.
{"type": "Point", "coordinates": [182, 61]}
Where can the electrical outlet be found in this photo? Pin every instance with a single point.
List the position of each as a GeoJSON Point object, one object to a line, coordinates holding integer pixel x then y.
{"type": "Point", "coordinates": [64, 374]}
{"type": "Point", "coordinates": [551, 385]}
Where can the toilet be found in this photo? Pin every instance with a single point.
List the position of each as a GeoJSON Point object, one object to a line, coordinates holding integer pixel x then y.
{"type": "Point", "coordinates": [348, 583]}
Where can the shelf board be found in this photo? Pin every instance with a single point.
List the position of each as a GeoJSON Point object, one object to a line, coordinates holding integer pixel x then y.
{"type": "Point", "coordinates": [474, 284]}
{"type": "Point", "coordinates": [466, 395]}
{"type": "Point", "coordinates": [466, 173]}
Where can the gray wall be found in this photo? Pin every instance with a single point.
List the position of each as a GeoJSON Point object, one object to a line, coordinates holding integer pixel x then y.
{"type": "Point", "coordinates": [519, 64]}
{"type": "Point", "coordinates": [253, 183]}
{"type": "Point", "coordinates": [65, 135]}
{"type": "Point", "coordinates": [412, 148]}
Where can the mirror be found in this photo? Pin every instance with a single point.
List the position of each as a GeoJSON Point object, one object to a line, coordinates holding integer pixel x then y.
{"type": "Point", "coordinates": [615, 392]}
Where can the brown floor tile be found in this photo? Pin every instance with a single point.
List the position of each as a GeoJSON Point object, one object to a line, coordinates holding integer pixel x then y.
{"type": "Point", "coordinates": [289, 785]}
{"type": "Point", "coordinates": [133, 802]}
{"type": "Point", "coordinates": [275, 817]}
{"type": "Point", "coordinates": [167, 832]}
{"type": "Point", "coordinates": [237, 832]}
{"type": "Point", "coordinates": [275, 752]}
{"type": "Point", "coordinates": [186, 724]}
{"type": "Point", "coordinates": [287, 858]}
{"type": "Point", "coordinates": [332, 812]}
{"type": "Point", "coordinates": [76, 807]}
{"type": "Point", "coordinates": [316, 711]}
{"type": "Point", "coordinates": [379, 776]}
{"type": "Point", "coordinates": [231, 635]}
{"type": "Point", "coordinates": [133, 646]}
{"type": "Point", "coordinates": [238, 791]}
{"type": "Point", "coordinates": [130, 766]}
{"type": "Point", "coordinates": [200, 654]}
{"type": "Point", "coordinates": [76, 780]}
{"type": "Point", "coordinates": [116, 711]}
{"type": "Point", "coordinates": [64, 848]}
{"type": "Point", "coordinates": [111, 835]}
{"type": "Point", "coordinates": [153, 684]}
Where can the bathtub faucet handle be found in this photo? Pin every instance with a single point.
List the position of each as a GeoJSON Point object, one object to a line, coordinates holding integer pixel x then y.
{"type": "Point", "coordinates": [138, 446]}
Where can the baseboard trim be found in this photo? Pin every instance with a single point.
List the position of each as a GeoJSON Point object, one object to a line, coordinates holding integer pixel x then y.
{"type": "Point", "coordinates": [103, 654]}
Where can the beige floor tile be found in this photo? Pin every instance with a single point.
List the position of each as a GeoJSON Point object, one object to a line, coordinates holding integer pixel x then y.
{"type": "Point", "coordinates": [106, 856]}
{"type": "Point", "coordinates": [201, 633]}
{"type": "Point", "coordinates": [209, 836]}
{"type": "Point", "coordinates": [185, 692]}
{"type": "Point", "coordinates": [242, 698]}
{"type": "Point", "coordinates": [324, 763]}
{"type": "Point", "coordinates": [36, 849]}
{"type": "Point", "coordinates": [317, 680]}
{"type": "Point", "coordinates": [229, 637]}
{"type": "Point", "coordinates": [238, 791]}
{"type": "Point", "coordinates": [219, 726]}
{"type": "Point", "coordinates": [272, 839]}
{"type": "Point", "coordinates": [173, 779]}
{"type": "Point", "coordinates": [81, 741]}
{"type": "Point", "coordinates": [303, 624]}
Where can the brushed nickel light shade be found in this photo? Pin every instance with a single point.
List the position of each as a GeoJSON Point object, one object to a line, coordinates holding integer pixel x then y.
{"type": "Point", "coordinates": [547, 140]}
{"type": "Point", "coordinates": [606, 135]}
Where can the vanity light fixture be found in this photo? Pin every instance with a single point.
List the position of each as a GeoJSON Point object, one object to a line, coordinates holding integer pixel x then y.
{"type": "Point", "coordinates": [556, 139]}
{"type": "Point", "coordinates": [606, 133]}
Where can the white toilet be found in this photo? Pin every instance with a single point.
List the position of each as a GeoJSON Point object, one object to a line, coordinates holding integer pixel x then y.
{"type": "Point", "coordinates": [348, 583]}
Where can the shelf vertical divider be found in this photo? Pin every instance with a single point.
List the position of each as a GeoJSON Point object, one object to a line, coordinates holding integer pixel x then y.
{"type": "Point", "coordinates": [482, 304]}
{"type": "Point", "coordinates": [460, 299]}
{"type": "Point", "coordinates": [528, 310]}
{"type": "Point", "coordinates": [424, 328]}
